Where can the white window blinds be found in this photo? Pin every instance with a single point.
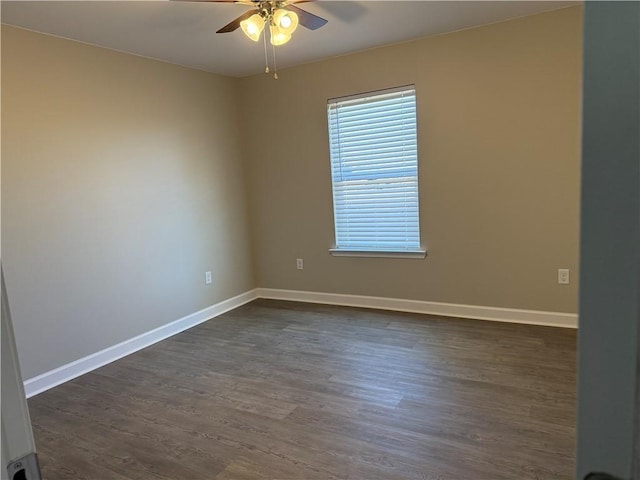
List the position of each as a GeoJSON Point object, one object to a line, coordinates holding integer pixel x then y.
{"type": "Point", "coordinates": [374, 167]}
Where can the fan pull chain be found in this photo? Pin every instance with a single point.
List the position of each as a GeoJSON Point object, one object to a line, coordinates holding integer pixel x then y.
{"type": "Point", "coordinates": [266, 58]}
{"type": "Point", "coordinates": [275, 65]}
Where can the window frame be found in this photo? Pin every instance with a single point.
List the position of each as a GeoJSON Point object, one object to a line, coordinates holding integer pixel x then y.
{"type": "Point", "coordinates": [335, 250]}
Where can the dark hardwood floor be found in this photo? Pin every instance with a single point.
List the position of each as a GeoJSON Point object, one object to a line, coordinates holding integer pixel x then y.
{"type": "Point", "coordinates": [279, 390]}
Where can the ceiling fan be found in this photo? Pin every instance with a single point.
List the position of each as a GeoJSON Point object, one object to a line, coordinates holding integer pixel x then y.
{"type": "Point", "coordinates": [281, 16]}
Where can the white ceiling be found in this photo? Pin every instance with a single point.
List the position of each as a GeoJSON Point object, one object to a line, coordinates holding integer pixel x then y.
{"type": "Point", "coordinates": [184, 32]}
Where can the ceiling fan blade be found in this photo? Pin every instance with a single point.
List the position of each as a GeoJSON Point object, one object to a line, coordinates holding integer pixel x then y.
{"type": "Point", "coordinates": [306, 19]}
{"type": "Point", "coordinates": [230, 27]}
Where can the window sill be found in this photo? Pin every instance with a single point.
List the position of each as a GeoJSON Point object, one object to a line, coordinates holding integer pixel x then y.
{"type": "Point", "coordinates": [337, 252]}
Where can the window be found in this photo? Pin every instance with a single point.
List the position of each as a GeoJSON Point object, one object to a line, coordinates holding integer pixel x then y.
{"type": "Point", "coordinates": [374, 169]}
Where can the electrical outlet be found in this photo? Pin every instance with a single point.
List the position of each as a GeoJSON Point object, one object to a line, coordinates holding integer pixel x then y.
{"type": "Point", "coordinates": [299, 263]}
{"type": "Point", "coordinates": [563, 276]}
{"type": "Point", "coordinates": [207, 278]}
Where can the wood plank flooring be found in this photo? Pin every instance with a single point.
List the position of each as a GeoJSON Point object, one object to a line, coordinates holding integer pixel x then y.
{"type": "Point", "coordinates": [279, 390]}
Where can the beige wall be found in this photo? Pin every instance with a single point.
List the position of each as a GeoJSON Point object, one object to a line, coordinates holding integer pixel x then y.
{"type": "Point", "coordinates": [123, 181]}
{"type": "Point", "coordinates": [499, 128]}
{"type": "Point", "coordinates": [121, 186]}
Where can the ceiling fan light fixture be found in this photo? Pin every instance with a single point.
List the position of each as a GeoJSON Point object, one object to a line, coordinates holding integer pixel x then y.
{"type": "Point", "coordinates": [278, 37]}
{"type": "Point", "coordinates": [286, 21]}
{"type": "Point", "coordinates": [281, 16]}
{"type": "Point", "coordinates": [253, 26]}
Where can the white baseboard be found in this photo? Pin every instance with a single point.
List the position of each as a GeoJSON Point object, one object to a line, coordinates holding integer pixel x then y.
{"type": "Point", "coordinates": [53, 378]}
{"type": "Point", "coordinates": [496, 314]}
{"type": "Point", "coordinates": [67, 372]}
